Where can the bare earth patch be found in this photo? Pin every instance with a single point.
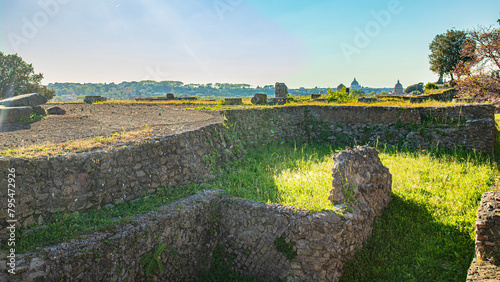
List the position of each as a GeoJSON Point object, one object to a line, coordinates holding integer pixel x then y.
{"type": "Point", "coordinates": [87, 120]}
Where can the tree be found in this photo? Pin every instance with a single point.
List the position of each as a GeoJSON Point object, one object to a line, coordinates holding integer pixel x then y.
{"type": "Point", "coordinates": [479, 77]}
{"type": "Point", "coordinates": [17, 77]}
{"type": "Point", "coordinates": [340, 97]}
{"type": "Point", "coordinates": [415, 89]}
{"type": "Point", "coordinates": [446, 52]}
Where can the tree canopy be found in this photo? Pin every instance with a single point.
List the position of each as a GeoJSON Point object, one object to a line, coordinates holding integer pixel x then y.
{"type": "Point", "coordinates": [18, 77]}
{"type": "Point", "coordinates": [479, 77]}
{"type": "Point", "coordinates": [415, 89]}
{"type": "Point", "coordinates": [446, 52]}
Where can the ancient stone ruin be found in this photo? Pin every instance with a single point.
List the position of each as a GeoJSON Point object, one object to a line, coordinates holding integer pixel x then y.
{"type": "Point", "coordinates": [280, 90]}
{"type": "Point", "coordinates": [485, 266]}
{"type": "Point", "coordinates": [259, 99]}
{"type": "Point", "coordinates": [233, 101]}
{"type": "Point", "coordinates": [321, 243]}
{"type": "Point", "coordinates": [94, 99]}
{"type": "Point", "coordinates": [276, 101]}
{"type": "Point", "coordinates": [360, 179]}
{"type": "Point", "coordinates": [56, 111]}
{"type": "Point", "coordinates": [19, 108]}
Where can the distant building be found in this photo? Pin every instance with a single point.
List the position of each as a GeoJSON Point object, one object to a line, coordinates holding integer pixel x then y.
{"type": "Point", "coordinates": [355, 85]}
{"type": "Point", "coordinates": [339, 88]}
{"type": "Point", "coordinates": [398, 89]}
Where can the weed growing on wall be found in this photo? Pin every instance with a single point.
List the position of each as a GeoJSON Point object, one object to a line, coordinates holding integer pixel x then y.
{"type": "Point", "coordinates": [285, 248]}
{"type": "Point", "coordinates": [229, 153]}
{"type": "Point", "coordinates": [152, 261]}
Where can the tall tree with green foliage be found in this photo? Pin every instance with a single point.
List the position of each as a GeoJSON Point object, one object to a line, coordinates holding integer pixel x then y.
{"type": "Point", "coordinates": [446, 52]}
{"type": "Point", "coordinates": [18, 77]}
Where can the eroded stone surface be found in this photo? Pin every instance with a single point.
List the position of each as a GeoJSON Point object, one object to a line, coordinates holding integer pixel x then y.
{"type": "Point", "coordinates": [485, 266]}
{"type": "Point", "coordinates": [259, 99]}
{"type": "Point", "coordinates": [25, 100]}
{"type": "Point", "coordinates": [280, 90]}
{"type": "Point", "coordinates": [360, 179]}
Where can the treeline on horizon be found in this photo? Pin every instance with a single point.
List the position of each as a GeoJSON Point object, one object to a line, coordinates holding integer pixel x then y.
{"type": "Point", "coordinates": [149, 88]}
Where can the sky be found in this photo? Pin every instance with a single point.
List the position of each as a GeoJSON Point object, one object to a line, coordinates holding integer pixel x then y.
{"type": "Point", "coordinates": [301, 43]}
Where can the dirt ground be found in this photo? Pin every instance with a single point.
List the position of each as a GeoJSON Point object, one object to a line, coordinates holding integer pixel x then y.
{"type": "Point", "coordinates": [90, 120]}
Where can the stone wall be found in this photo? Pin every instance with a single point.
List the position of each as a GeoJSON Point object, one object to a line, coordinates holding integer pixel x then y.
{"type": "Point", "coordinates": [185, 227]}
{"type": "Point", "coordinates": [314, 246]}
{"type": "Point", "coordinates": [470, 126]}
{"type": "Point", "coordinates": [325, 241]}
{"type": "Point", "coordinates": [485, 266]}
{"type": "Point", "coordinates": [83, 181]}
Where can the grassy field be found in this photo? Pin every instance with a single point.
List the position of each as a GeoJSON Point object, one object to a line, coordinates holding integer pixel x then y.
{"type": "Point", "coordinates": [426, 233]}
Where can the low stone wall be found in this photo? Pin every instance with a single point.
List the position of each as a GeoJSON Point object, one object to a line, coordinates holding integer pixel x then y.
{"type": "Point", "coordinates": [486, 263]}
{"type": "Point", "coordinates": [186, 227]}
{"type": "Point", "coordinates": [83, 181]}
{"type": "Point", "coordinates": [312, 246]}
{"type": "Point", "coordinates": [470, 126]}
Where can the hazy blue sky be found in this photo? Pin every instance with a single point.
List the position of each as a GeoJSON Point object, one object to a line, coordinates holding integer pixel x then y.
{"type": "Point", "coordinates": [302, 43]}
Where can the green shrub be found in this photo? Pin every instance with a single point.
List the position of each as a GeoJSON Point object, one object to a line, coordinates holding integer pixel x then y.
{"type": "Point", "coordinates": [430, 86]}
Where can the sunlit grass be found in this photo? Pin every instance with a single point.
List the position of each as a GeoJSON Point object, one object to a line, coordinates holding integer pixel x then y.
{"type": "Point", "coordinates": [427, 232]}
{"type": "Point", "coordinates": [77, 145]}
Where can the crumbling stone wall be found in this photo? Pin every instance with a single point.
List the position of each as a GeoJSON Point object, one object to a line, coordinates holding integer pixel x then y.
{"type": "Point", "coordinates": [485, 265]}
{"type": "Point", "coordinates": [317, 245]}
{"type": "Point", "coordinates": [83, 181]}
{"type": "Point", "coordinates": [186, 227]}
{"type": "Point", "coordinates": [470, 126]}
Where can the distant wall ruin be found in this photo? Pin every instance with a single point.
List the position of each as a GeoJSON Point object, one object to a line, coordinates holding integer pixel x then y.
{"type": "Point", "coordinates": [468, 126]}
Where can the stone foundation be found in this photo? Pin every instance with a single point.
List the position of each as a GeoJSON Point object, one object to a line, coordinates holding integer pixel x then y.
{"type": "Point", "coordinates": [485, 266]}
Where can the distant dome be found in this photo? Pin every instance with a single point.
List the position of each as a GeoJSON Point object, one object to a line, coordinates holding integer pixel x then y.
{"type": "Point", "coordinates": [355, 85]}
{"type": "Point", "coordinates": [398, 89]}
{"type": "Point", "coordinates": [339, 88]}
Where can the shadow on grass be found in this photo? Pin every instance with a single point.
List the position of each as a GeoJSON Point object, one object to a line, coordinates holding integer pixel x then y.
{"type": "Point", "coordinates": [408, 245]}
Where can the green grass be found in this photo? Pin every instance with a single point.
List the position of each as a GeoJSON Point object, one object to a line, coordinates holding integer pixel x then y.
{"type": "Point", "coordinates": [65, 226]}
{"type": "Point", "coordinates": [283, 174]}
{"type": "Point", "coordinates": [427, 232]}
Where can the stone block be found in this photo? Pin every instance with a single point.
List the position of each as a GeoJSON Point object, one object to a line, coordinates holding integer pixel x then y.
{"type": "Point", "coordinates": [259, 99]}
{"type": "Point", "coordinates": [233, 101]}
{"type": "Point", "coordinates": [14, 114]}
{"type": "Point", "coordinates": [25, 100]}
